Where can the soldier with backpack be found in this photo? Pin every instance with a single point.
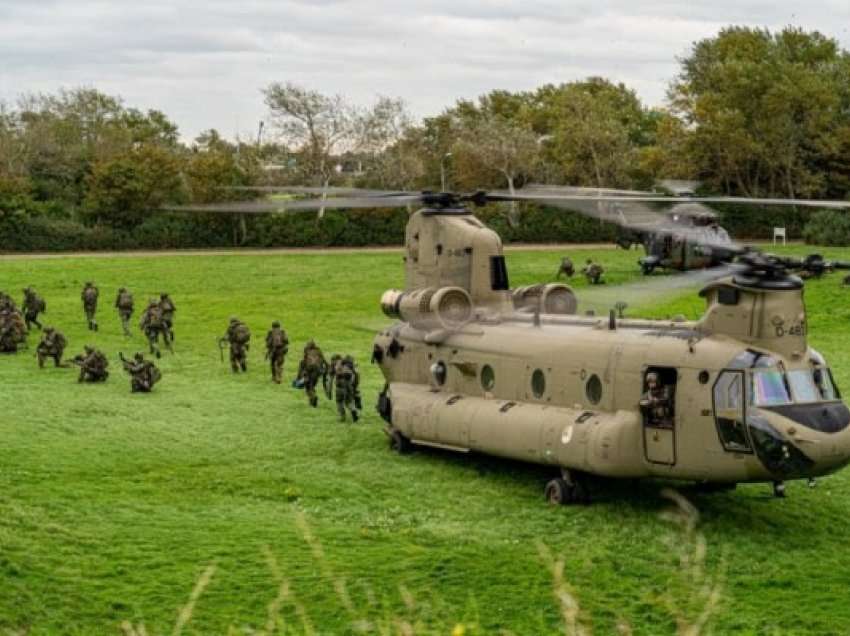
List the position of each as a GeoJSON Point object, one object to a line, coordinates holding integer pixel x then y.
{"type": "Point", "coordinates": [277, 346]}
{"type": "Point", "coordinates": [33, 305]}
{"type": "Point", "coordinates": [347, 383]}
{"type": "Point", "coordinates": [143, 373]}
{"type": "Point", "coordinates": [93, 365]}
{"type": "Point", "coordinates": [313, 366]}
{"type": "Point", "coordinates": [89, 298]}
{"type": "Point", "coordinates": [238, 336]}
{"type": "Point", "coordinates": [153, 327]}
{"type": "Point", "coordinates": [52, 345]}
{"type": "Point", "coordinates": [124, 304]}
{"type": "Point", "coordinates": [167, 307]}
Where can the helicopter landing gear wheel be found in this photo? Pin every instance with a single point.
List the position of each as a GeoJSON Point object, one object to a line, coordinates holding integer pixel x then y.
{"type": "Point", "coordinates": [647, 269]}
{"type": "Point", "coordinates": [567, 490]}
{"type": "Point", "coordinates": [779, 489]}
{"type": "Point", "coordinates": [398, 442]}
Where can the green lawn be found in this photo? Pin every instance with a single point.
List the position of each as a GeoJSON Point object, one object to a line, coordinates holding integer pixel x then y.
{"type": "Point", "coordinates": [114, 507]}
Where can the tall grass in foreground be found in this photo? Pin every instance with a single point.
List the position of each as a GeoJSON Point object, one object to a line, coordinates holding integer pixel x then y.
{"type": "Point", "coordinates": [691, 599]}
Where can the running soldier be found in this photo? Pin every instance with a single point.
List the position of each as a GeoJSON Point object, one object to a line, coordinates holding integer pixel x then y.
{"type": "Point", "coordinates": [277, 346]}
{"type": "Point", "coordinates": [313, 366]}
{"type": "Point", "coordinates": [167, 307]}
{"type": "Point", "coordinates": [153, 327]}
{"type": "Point", "coordinates": [238, 336]}
{"type": "Point", "coordinates": [347, 383]}
{"type": "Point", "coordinates": [33, 305]}
{"type": "Point", "coordinates": [143, 373]}
{"type": "Point", "coordinates": [52, 345]}
{"type": "Point", "coordinates": [93, 365]}
{"type": "Point", "coordinates": [125, 306]}
{"type": "Point", "coordinates": [89, 298]}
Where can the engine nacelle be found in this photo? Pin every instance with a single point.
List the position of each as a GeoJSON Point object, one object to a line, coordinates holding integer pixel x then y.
{"type": "Point", "coordinates": [429, 308]}
{"type": "Point", "coordinates": [552, 298]}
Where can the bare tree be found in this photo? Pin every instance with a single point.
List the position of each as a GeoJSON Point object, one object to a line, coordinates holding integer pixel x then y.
{"type": "Point", "coordinates": [511, 148]}
{"type": "Point", "coordinates": [384, 136]}
{"type": "Point", "coordinates": [318, 125]}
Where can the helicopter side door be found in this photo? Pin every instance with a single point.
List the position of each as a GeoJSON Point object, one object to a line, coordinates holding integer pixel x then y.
{"type": "Point", "coordinates": [659, 419]}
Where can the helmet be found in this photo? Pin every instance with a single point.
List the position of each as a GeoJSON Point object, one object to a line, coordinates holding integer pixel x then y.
{"type": "Point", "coordinates": [276, 324]}
{"type": "Point", "coordinates": [88, 348]}
{"type": "Point", "coordinates": [234, 319]}
{"type": "Point", "coordinates": [138, 357]}
{"type": "Point", "coordinates": [122, 289]}
{"type": "Point", "coordinates": [163, 295]}
{"type": "Point", "coordinates": [48, 329]}
{"type": "Point", "coordinates": [652, 377]}
{"type": "Point", "coordinates": [348, 359]}
{"type": "Point", "coordinates": [89, 283]}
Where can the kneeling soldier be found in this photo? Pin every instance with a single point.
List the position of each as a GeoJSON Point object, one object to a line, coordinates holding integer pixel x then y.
{"type": "Point", "coordinates": [92, 365]}
{"type": "Point", "coordinates": [143, 373]}
{"type": "Point", "coordinates": [52, 345]}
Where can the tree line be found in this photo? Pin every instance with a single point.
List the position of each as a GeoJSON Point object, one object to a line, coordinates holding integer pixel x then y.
{"type": "Point", "coordinates": [750, 113]}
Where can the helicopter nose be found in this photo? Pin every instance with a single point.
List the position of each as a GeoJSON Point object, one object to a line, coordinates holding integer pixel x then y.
{"type": "Point", "coordinates": [791, 450]}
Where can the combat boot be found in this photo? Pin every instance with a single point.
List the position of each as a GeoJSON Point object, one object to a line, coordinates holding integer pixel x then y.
{"type": "Point", "coordinates": [355, 416]}
{"type": "Point", "coordinates": [314, 401]}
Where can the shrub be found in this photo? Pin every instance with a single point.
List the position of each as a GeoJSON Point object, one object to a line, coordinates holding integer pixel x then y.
{"type": "Point", "coordinates": [828, 227]}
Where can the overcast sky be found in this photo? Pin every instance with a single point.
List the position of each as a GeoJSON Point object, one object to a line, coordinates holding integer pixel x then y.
{"type": "Point", "coordinates": [203, 62]}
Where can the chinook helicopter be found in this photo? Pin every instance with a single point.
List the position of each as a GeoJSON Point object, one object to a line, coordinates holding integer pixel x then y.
{"type": "Point", "coordinates": [472, 365]}
{"type": "Point", "coordinates": [683, 236]}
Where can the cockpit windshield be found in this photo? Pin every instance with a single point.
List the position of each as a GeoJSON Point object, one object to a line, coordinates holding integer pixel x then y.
{"type": "Point", "coordinates": [771, 385]}
{"type": "Point", "coordinates": [769, 388]}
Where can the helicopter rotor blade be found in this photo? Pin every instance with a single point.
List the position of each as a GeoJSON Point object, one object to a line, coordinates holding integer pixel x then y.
{"type": "Point", "coordinates": [267, 207]}
{"type": "Point", "coordinates": [330, 191]}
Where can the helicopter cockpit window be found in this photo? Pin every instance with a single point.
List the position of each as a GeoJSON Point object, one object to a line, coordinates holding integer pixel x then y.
{"type": "Point", "coordinates": [488, 378]}
{"type": "Point", "coordinates": [826, 383]}
{"type": "Point", "coordinates": [803, 387]}
{"type": "Point", "coordinates": [769, 388]}
{"type": "Point", "coordinates": [729, 413]}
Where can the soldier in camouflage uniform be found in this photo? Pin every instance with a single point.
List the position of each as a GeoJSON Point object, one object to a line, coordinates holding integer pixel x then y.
{"type": "Point", "coordinates": [153, 327]}
{"type": "Point", "coordinates": [277, 346]}
{"type": "Point", "coordinates": [93, 365]}
{"type": "Point", "coordinates": [593, 272]}
{"type": "Point", "coordinates": [347, 385]}
{"type": "Point", "coordinates": [32, 305]}
{"type": "Point", "coordinates": [566, 268]}
{"type": "Point", "coordinates": [657, 402]}
{"type": "Point", "coordinates": [89, 297]}
{"type": "Point", "coordinates": [13, 328]}
{"type": "Point", "coordinates": [52, 345]}
{"type": "Point", "coordinates": [125, 305]}
{"type": "Point", "coordinates": [143, 373]}
{"type": "Point", "coordinates": [238, 336]}
{"type": "Point", "coordinates": [313, 366]}
{"type": "Point", "coordinates": [168, 308]}
{"type": "Point", "coordinates": [6, 302]}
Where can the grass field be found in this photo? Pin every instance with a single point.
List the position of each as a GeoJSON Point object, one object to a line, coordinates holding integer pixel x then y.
{"type": "Point", "coordinates": [115, 507]}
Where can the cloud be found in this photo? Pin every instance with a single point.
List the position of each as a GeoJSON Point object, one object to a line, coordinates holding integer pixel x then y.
{"type": "Point", "coordinates": [204, 63]}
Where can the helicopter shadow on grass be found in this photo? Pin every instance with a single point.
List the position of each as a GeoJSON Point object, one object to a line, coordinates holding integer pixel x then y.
{"type": "Point", "coordinates": [748, 509]}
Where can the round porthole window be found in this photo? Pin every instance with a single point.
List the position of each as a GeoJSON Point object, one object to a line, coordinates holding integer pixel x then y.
{"type": "Point", "coordinates": [538, 383]}
{"type": "Point", "coordinates": [488, 378]}
{"type": "Point", "coordinates": [438, 372]}
{"type": "Point", "coordinates": [593, 389]}
{"type": "Point", "coordinates": [704, 377]}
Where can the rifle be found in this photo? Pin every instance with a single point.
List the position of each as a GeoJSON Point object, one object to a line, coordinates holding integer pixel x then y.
{"type": "Point", "coordinates": [124, 361]}
{"type": "Point", "coordinates": [221, 342]}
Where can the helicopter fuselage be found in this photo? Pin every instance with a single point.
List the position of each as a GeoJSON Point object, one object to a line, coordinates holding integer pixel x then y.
{"type": "Point", "coordinates": [565, 391]}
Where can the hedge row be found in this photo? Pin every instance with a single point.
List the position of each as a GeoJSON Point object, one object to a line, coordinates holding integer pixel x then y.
{"type": "Point", "coordinates": [37, 231]}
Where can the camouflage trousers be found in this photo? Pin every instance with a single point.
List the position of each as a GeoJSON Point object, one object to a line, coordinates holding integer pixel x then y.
{"type": "Point", "coordinates": [153, 334]}
{"type": "Point", "coordinates": [238, 357]}
{"type": "Point", "coordinates": [44, 354]}
{"type": "Point", "coordinates": [125, 316]}
{"type": "Point", "coordinates": [31, 318]}
{"type": "Point", "coordinates": [90, 311]}
{"type": "Point", "coordinates": [92, 375]}
{"type": "Point", "coordinates": [347, 399]}
{"type": "Point", "coordinates": [276, 360]}
{"type": "Point", "coordinates": [311, 376]}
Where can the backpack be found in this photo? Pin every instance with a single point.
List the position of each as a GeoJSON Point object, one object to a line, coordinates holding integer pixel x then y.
{"type": "Point", "coordinates": [241, 334]}
{"type": "Point", "coordinates": [38, 304]}
{"type": "Point", "coordinates": [125, 300]}
{"type": "Point", "coordinates": [278, 339]}
{"type": "Point", "coordinates": [90, 295]}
